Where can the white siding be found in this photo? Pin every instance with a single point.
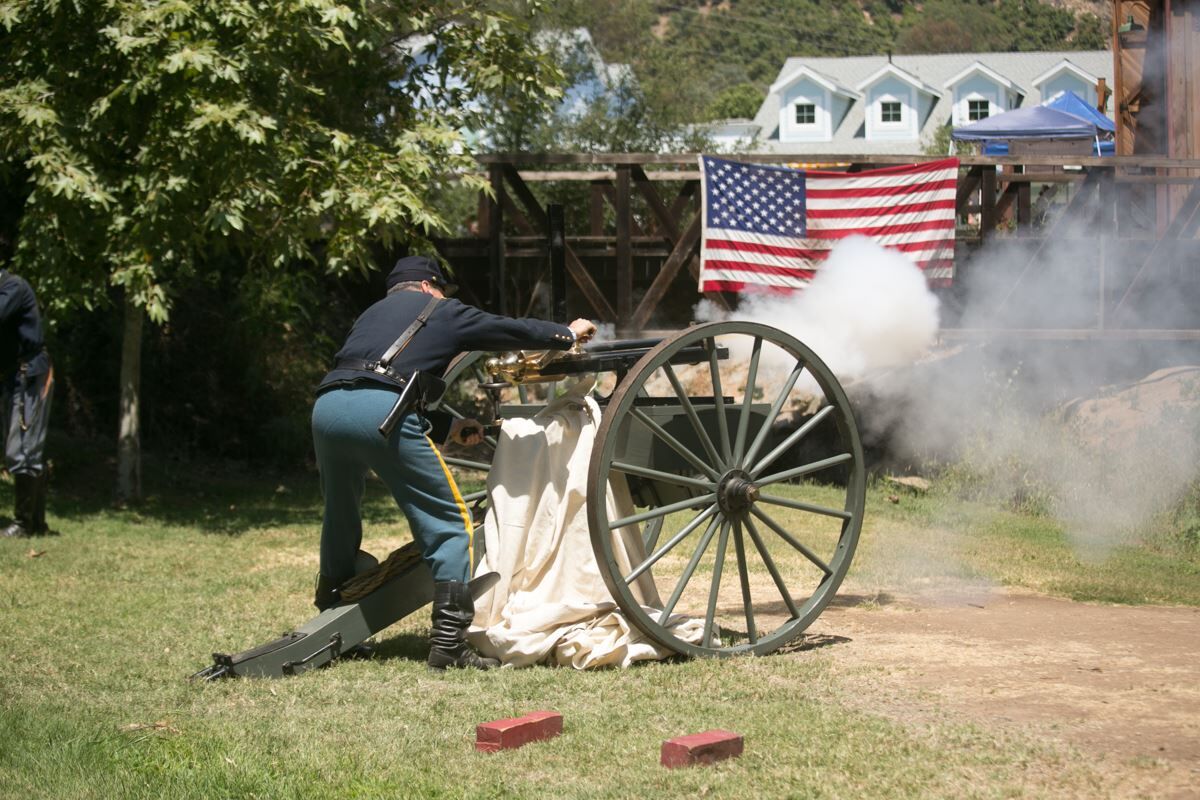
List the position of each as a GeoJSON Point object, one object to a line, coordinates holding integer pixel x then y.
{"type": "Point", "coordinates": [1068, 80]}
{"type": "Point", "coordinates": [891, 89]}
{"type": "Point", "coordinates": [977, 87]}
{"type": "Point", "coordinates": [800, 92]}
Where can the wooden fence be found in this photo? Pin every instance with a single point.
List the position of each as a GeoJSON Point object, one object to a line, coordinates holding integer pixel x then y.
{"type": "Point", "coordinates": [1113, 236]}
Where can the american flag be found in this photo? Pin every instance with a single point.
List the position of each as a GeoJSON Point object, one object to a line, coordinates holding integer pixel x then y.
{"type": "Point", "coordinates": [768, 226]}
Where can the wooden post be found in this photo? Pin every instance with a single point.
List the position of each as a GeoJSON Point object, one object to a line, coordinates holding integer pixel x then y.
{"type": "Point", "coordinates": [987, 203]}
{"type": "Point", "coordinates": [496, 277]}
{"type": "Point", "coordinates": [624, 249]}
{"type": "Point", "coordinates": [1106, 224]}
{"type": "Point", "coordinates": [596, 210]}
{"type": "Point", "coordinates": [556, 235]}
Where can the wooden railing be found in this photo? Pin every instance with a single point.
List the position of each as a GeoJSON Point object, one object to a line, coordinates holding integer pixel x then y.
{"type": "Point", "coordinates": [630, 243]}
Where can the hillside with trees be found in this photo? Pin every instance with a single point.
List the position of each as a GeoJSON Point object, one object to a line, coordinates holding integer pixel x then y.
{"type": "Point", "coordinates": [697, 59]}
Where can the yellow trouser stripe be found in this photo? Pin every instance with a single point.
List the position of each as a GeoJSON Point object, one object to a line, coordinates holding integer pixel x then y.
{"type": "Point", "coordinates": [462, 507]}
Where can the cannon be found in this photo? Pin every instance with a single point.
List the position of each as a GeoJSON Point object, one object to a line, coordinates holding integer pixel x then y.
{"type": "Point", "coordinates": [741, 457]}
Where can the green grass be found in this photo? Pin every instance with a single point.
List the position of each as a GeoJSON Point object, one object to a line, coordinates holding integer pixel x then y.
{"type": "Point", "coordinates": [103, 625]}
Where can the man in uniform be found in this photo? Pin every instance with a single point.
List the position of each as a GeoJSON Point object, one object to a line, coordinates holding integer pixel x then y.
{"type": "Point", "coordinates": [415, 327]}
{"type": "Point", "coordinates": [26, 388]}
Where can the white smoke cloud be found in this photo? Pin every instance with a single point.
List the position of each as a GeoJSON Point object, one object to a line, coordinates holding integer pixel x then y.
{"type": "Point", "coordinates": [998, 406]}
{"type": "Point", "coordinates": [867, 309]}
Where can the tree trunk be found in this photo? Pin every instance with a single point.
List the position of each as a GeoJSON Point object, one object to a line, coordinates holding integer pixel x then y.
{"type": "Point", "coordinates": [129, 432]}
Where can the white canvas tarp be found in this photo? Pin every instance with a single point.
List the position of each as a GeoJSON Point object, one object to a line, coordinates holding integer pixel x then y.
{"type": "Point", "coordinates": [551, 605]}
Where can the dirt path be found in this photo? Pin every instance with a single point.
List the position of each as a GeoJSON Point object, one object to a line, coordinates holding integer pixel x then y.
{"type": "Point", "coordinates": [1118, 683]}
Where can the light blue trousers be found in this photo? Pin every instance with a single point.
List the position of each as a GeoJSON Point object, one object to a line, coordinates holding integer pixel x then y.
{"type": "Point", "coordinates": [345, 426]}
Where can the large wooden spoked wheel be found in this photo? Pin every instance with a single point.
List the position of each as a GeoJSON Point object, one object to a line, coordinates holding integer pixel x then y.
{"type": "Point", "coordinates": [747, 506]}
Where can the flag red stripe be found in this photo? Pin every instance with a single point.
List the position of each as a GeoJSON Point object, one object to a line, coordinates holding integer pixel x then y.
{"type": "Point", "coordinates": [761, 269]}
{"type": "Point", "coordinates": [879, 211]}
{"type": "Point", "coordinates": [815, 192]}
{"type": "Point", "coordinates": [807, 252]}
{"type": "Point", "coordinates": [882, 230]}
{"type": "Point", "coordinates": [738, 286]}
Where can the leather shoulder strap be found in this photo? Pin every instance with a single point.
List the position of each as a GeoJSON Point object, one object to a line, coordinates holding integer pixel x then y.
{"type": "Point", "coordinates": [402, 341]}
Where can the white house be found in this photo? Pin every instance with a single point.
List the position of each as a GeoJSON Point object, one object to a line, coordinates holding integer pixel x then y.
{"type": "Point", "coordinates": [896, 104]}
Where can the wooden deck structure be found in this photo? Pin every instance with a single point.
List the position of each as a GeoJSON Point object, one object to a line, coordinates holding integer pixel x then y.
{"type": "Point", "coordinates": [1094, 238]}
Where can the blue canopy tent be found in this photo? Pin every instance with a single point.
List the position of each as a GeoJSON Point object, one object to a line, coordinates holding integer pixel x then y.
{"type": "Point", "coordinates": [1040, 122]}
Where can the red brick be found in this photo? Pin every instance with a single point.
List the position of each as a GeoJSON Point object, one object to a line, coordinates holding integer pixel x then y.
{"type": "Point", "coordinates": [701, 748]}
{"type": "Point", "coordinates": [507, 734]}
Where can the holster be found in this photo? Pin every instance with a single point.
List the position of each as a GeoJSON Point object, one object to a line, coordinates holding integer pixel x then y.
{"type": "Point", "coordinates": [421, 389]}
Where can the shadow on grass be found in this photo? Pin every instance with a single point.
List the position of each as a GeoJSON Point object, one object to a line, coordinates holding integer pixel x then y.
{"type": "Point", "coordinates": [811, 641]}
{"type": "Point", "coordinates": [226, 498]}
{"type": "Point", "coordinates": [404, 646]}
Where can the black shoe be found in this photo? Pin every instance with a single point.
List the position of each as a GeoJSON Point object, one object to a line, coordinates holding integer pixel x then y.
{"type": "Point", "coordinates": [16, 531]}
{"type": "Point", "coordinates": [26, 508]}
{"type": "Point", "coordinates": [453, 611]}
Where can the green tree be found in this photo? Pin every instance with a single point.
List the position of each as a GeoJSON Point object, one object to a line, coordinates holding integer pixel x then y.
{"type": "Point", "coordinates": [739, 101]}
{"type": "Point", "coordinates": [143, 136]}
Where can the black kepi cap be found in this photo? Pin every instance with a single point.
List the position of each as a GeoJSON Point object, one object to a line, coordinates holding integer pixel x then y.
{"type": "Point", "coordinates": [420, 268]}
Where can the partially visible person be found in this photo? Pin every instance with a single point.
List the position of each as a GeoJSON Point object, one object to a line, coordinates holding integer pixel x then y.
{"type": "Point", "coordinates": [26, 388]}
{"type": "Point", "coordinates": [415, 328]}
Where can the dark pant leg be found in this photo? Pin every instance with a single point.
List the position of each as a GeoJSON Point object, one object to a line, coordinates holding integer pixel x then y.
{"type": "Point", "coordinates": [412, 468]}
{"type": "Point", "coordinates": [28, 420]}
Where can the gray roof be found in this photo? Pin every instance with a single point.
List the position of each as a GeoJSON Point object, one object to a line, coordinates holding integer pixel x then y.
{"type": "Point", "coordinates": [934, 70]}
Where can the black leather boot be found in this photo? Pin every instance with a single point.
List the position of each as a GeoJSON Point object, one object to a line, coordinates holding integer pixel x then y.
{"type": "Point", "coordinates": [453, 611]}
{"type": "Point", "coordinates": [22, 525]}
{"type": "Point", "coordinates": [38, 506]}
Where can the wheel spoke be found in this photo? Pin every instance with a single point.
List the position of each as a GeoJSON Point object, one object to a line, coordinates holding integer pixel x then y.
{"type": "Point", "coordinates": [787, 537]}
{"type": "Point", "coordinates": [690, 411]}
{"type": "Point", "coordinates": [804, 469]}
{"type": "Point", "coordinates": [651, 531]}
{"type": "Point", "coordinates": [769, 562]}
{"type": "Point", "coordinates": [670, 545]}
{"type": "Point", "coordinates": [672, 442]}
{"type": "Point", "coordinates": [662, 511]}
{"type": "Point", "coordinates": [688, 571]}
{"type": "Point", "coordinates": [792, 438]}
{"type": "Point", "coordinates": [787, 502]}
{"type": "Point", "coordinates": [739, 445]}
{"type": "Point", "coordinates": [715, 588]}
{"type": "Point", "coordinates": [665, 477]}
{"type": "Point", "coordinates": [714, 370]}
{"type": "Point", "coordinates": [467, 463]}
{"type": "Point", "coordinates": [774, 412]}
{"type": "Point", "coordinates": [744, 576]}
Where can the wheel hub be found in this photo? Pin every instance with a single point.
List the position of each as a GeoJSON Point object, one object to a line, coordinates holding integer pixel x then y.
{"type": "Point", "coordinates": [736, 492]}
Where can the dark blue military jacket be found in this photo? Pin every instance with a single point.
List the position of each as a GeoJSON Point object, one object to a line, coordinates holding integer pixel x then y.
{"type": "Point", "coordinates": [452, 328]}
{"type": "Point", "coordinates": [20, 328]}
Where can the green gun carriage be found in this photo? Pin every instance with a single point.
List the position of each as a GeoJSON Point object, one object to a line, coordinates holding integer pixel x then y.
{"type": "Point", "coordinates": [743, 461]}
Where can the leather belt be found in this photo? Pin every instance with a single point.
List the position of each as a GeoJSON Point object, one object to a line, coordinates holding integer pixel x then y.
{"type": "Point", "coordinates": [374, 367]}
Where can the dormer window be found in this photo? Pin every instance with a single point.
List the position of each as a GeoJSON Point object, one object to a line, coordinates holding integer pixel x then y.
{"type": "Point", "coordinates": [806, 114]}
{"type": "Point", "coordinates": [977, 109]}
{"type": "Point", "coordinates": [891, 111]}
